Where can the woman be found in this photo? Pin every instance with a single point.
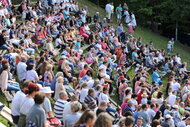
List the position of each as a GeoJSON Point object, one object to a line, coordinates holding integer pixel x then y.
{"type": "Point", "coordinates": [103, 120]}
{"type": "Point", "coordinates": [86, 120]}
{"type": "Point", "coordinates": [83, 33]}
{"type": "Point", "coordinates": [36, 115]}
{"type": "Point", "coordinates": [158, 116]}
{"type": "Point", "coordinates": [5, 84]}
{"type": "Point", "coordinates": [48, 75]}
{"type": "Point", "coordinates": [59, 87]}
{"type": "Point", "coordinates": [74, 116]}
{"type": "Point", "coordinates": [26, 103]}
{"type": "Point", "coordinates": [156, 77]}
{"type": "Point", "coordinates": [31, 74]}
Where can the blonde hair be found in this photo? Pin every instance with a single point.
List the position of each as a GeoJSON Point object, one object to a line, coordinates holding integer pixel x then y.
{"type": "Point", "coordinates": [49, 67]}
{"type": "Point", "coordinates": [76, 106]}
{"type": "Point", "coordinates": [59, 79]}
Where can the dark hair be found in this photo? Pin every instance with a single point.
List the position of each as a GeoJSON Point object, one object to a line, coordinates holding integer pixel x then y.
{"type": "Point", "coordinates": [4, 67]}
{"type": "Point", "coordinates": [88, 114]}
{"type": "Point", "coordinates": [159, 95]}
{"type": "Point", "coordinates": [100, 111]}
{"type": "Point", "coordinates": [30, 67]}
{"type": "Point", "coordinates": [105, 88]}
{"type": "Point", "coordinates": [39, 98]}
{"type": "Point", "coordinates": [129, 120]}
{"type": "Point", "coordinates": [157, 116]}
{"type": "Point", "coordinates": [90, 91]}
{"type": "Point", "coordinates": [155, 123]}
{"type": "Point", "coordinates": [144, 106]}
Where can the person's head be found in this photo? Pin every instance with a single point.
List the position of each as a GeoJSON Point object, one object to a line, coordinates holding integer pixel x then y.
{"type": "Point", "coordinates": [152, 106]}
{"type": "Point", "coordinates": [75, 106]}
{"type": "Point", "coordinates": [144, 107]}
{"type": "Point", "coordinates": [86, 66]}
{"type": "Point", "coordinates": [84, 85]}
{"type": "Point", "coordinates": [130, 103]}
{"type": "Point", "coordinates": [159, 95]}
{"type": "Point", "coordinates": [63, 95]}
{"type": "Point", "coordinates": [103, 120]}
{"type": "Point", "coordinates": [139, 121]}
{"type": "Point", "coordinates": [60, 79]}
{"type": "Point", "coordinates": [47, 91]}
{"type": "Point", "coordinates": [39, 98]}
{"type": "Point", "coordinates": [105, 90]}
{"type": "Point", "coordinates": [129, 121]}
{"type": "Point", "coordinates": [103, 104]}
{"type": "Point", "coordinates": [187, 121]}
{"type": "Point", "coordinates": [88, 118]}
{"type": "Point", "coordinates": [49, 67]}
{"type": "Point", "coordinates": [91, 92]}
{"type": "Point", "coordinates": [74, 98]}
{"type": "Point", "coordinates": [30, 67]}
{"type": "Point", "coordinates": [155, 123]}
{"type": "Point", "coordinates": [25, 86]}
{"type": "Point", "coordinates": [33, 89]}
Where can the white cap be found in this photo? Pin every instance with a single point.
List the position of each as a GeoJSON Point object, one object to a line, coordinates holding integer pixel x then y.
{"type": "Point", "coordinates": [46, 90]}
{"type": "Point", "coordinates": [175, 106]}
{"type": "Point", "coordinates": [168, 116]}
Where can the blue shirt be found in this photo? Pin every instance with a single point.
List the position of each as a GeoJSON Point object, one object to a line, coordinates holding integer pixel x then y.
{"type": "Point", "coordinates": [155, 77]}
{"type": "Point", "coordinates": [145, 117]}
{"type": "Point", "coordinates": [134, 56]}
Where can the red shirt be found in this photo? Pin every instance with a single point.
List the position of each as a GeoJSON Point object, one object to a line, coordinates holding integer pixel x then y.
{"type": "Point", "coordinates": [82, 73]}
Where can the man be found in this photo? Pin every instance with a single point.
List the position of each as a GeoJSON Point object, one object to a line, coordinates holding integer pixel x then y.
{"type": "Point", "coordinates": [176, 115]}
{"type": "Point", "coordinates": [83, 71]}
{"type": "Point", "coordinates": [104, 97]}
{"type": "Point", "coordinates": [168, 121]}
{"type": "Point", "coordinates": [60, 105]}
{"type": "Point", "coordinates": [15, 107]}
{"type": "Point", "coordinates": [101, 108]}
{"type": "Point", "coordinates": [21, 69]}
{"type": "Point", "coordinates": [67, 107]}
{"type": "Point", "coordinates": [151, 112]}
{"type": "Point", "coordinates": [119, 13]}
{"type": "Point", "coordinates": [128, 108]}
{"type": "Point", "coordinates": [144, 115]}
{"type": "Point", "coordinates": [47, 104]}
{"type": "Point", "coordinates": [184, 123]}
{"type": "Point", "coordinates": [90, 100]}
{"type": "Point", "coordinates": [108, 9]}
{"type": "Point", "coordinates": [129, 121]}
{"type": "Point", "coordinates": [96, 17]}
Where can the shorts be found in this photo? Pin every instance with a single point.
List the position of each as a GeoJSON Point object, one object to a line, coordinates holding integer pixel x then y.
{"type": "Point", "coordinates": [119, 16]}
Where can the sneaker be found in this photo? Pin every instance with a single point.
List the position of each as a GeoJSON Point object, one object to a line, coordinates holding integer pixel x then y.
{"type": "Point", "coordinates": [112, 94]}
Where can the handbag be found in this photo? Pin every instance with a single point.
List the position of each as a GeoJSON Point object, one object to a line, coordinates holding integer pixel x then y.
{"type": "Point", "coordinates": [53, 122]}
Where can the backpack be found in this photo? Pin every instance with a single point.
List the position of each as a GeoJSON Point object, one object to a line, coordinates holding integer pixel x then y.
{"type": "Point", "coordinates": [53, 122]}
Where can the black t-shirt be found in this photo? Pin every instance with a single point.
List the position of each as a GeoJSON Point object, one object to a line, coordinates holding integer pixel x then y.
{"type": "Point", "coordinates": [2, 40]}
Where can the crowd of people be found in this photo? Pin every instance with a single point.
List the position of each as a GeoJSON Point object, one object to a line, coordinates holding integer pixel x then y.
{"type": "Point", "coordinates": [55, 43]}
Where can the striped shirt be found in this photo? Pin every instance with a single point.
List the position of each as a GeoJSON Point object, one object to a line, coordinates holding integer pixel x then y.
{"type": "Point", "coordinates": [58, 109]}
{"type": "Point", "coordinates": [90, 101]}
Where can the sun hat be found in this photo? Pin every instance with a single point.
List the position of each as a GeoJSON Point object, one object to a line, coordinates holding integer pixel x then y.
{"type": "Point", "coordinates": [46, 90]}
{"type": "Point", "coordinates": [168, 116]}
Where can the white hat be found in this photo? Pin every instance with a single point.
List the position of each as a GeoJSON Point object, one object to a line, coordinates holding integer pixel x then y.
{"type": "Point", "coordinates": [46, 90]}
{"type": "Point", "coordinates": [63, 56]}
{"type": "Point", "coordinates": [175, 106]}
{"type": "Point", "coordinates": [168, 116]}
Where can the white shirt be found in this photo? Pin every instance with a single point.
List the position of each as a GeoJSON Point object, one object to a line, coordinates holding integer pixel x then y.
{"type": "Point", "coordinates": [21, 71]}
{"type": "Point", "coordinates": [31, 75]}
{"type": "Point", "coordinates": [151, 113]}
{"type": "Point", "coordinates": [134, 103]}
{"type": "Point", "coordinates": [26, 105]}
{"type": "Point", "coordinates": [103, 97]}
{"type": "Point", "coordinates": [90, 83]}
{"type": "Point", "coordinates": [83, 94]}
{"type": "Point", "coordinates": [15, 106]}
{"type": "Point", "coordinates": [67, 109]}
{"type": "Point", "coordinates": [171, 99]}
{"type": "Point", "coordinates": [175, 86]}
{"type": "Point", "coordinates": [108, 7]}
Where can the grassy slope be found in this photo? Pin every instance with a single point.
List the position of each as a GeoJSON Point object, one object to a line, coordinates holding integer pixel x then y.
{"type": "Point", "coordinates": [159, 41]}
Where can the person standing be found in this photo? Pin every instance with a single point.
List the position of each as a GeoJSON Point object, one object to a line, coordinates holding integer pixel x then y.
{"type": "Point", "coordinates": [144, 115]}
{"type": "Point", "coordinates": [119, 13]}
{"type": "Point", "coordinates": [108, 9]}
{"type": "Point", "coordinates": [133, 20]}
{"type": "Point", "coordinates": [127, 16]}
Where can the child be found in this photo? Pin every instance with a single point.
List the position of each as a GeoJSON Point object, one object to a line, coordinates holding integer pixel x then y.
{"type": "Point", "coordinates": [169, 48]}
{"type": "Point", "coordinates": [172, 44]}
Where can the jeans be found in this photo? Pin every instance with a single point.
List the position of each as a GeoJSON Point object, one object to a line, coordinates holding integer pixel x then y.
{"type": "Point", "coordinates": [110, 109]}
{"type": "Point", "coordinates": [72, 67]}
{"type": "Point", "coordinates": [13, 86]}
{"type": "Point", "coordinates": [4, 46]}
